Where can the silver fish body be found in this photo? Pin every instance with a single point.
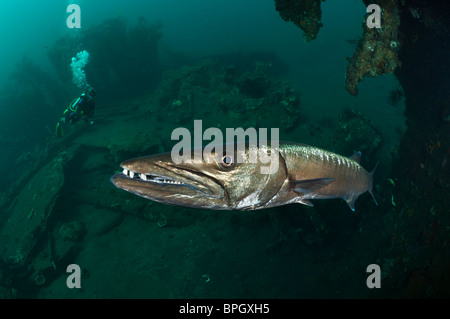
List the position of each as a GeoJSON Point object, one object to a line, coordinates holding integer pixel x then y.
{"type": "Point", "coordinates": [220, 182]}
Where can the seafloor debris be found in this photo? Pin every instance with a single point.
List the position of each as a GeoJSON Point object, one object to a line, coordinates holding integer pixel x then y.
{"type": "Point", "coordinates": [30, 212]}
{"type": "Point", "coordinates": [252, 97]}
{"type": "Point", "coordinates": [72, 231]}
{"type": "Point", "coordinates": [377, 50]}
{"type": "Point", "coordinates": [305, 14]}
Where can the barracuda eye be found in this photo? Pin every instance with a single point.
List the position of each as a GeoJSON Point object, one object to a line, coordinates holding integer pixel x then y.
{"type": "Point", "coordinates": [227, 161]}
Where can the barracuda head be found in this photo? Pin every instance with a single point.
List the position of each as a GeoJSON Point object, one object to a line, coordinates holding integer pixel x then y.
{"type": "Point", "coordinates": [217, 181]}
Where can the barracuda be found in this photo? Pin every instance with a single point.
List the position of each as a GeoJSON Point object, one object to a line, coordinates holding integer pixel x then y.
{"type": "Point", "coordinates": [220, 182]}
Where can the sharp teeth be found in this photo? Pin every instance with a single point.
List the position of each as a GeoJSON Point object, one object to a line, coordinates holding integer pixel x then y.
{"type": "Point", "coordinates": [143, 177]}
{"type": "Point", "coordinates": [131, 174]}
{"type": "Point", "coordinates": [125, 171]}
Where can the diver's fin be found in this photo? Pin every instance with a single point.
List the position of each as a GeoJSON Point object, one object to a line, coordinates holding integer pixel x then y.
{"type": "Point", "coordinates": [308, 185]}
{"type": "Point", "coordinates": [59, 130]}
{"type": "Point", "coordinates": [356, 157]}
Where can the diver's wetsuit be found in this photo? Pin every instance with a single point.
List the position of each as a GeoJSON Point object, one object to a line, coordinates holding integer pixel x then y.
{"type": "Point", "coordinates": [80, 108]}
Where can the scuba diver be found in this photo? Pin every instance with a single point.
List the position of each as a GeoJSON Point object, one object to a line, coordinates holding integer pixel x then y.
{"type": "Point", "coordinates": [82, 107]}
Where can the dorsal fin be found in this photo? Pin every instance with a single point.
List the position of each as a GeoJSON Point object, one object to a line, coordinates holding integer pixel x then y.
{"type": "Point", "coordinates": [356, 157]}
{"type": "Point", "coordinates": [308, 185]}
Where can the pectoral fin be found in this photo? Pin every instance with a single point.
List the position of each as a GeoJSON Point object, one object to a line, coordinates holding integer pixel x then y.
{"type": "Point", "coordinates": [306, 202]}
{"type": "Point", "coordinates": [309, 185]}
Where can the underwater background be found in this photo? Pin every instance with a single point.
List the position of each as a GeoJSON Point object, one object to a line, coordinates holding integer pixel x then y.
{"type": "Point", "coordinates": [158, 65]}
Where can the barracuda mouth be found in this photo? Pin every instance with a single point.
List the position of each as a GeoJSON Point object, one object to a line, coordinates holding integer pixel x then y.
{"type": "Point", "coordinates": [131, 180]}
{"type": "Point", "coordinates": [158, 180]}
{"type": "Point", "coordinates": [152, 178]}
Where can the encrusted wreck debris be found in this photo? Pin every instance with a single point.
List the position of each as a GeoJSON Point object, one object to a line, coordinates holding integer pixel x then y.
{"type": "Point", "coordinates": [30, 212]}
{"type": "Point", "coordinates": [377, 51]}
{"type": "Point", "coordinates": [305, 14]}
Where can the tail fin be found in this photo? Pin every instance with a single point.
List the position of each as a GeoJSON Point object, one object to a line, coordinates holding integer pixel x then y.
{"type": "Point", "coordinates": [59, 132]}
{"type": "Point", "coordinates": [371, 183]}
